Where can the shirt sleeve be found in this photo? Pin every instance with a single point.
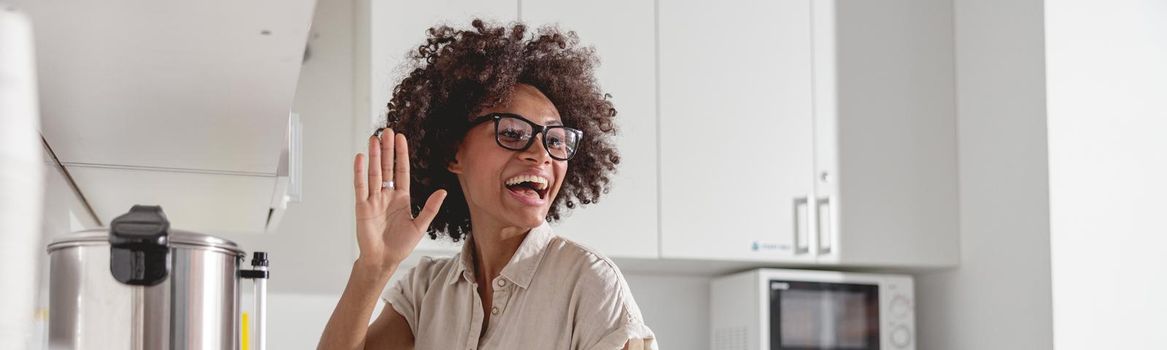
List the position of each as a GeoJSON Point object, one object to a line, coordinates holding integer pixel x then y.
{"type": "Point", "coordinates": [636, 335]}
{"type": "Point", "coordinates": [611, 317]}
{"type": "Point", "coordinates": [405, 294]}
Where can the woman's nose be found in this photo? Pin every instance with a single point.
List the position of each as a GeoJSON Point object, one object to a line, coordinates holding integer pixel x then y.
{"type": "Point", "coordinates": [537, 153]}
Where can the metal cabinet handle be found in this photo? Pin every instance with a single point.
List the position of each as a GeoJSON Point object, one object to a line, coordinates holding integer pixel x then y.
{"type": "Point", "coordinates": [826, 231]}
{"type": "Point", "coordinates": [801, 221]}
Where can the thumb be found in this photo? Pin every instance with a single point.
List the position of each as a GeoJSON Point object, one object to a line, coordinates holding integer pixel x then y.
{"type": "Point", "coordinates": [427, 214]}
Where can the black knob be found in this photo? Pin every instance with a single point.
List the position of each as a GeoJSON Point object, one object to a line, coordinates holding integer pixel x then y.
{"type": "Point", "coordinates": [259, 259]}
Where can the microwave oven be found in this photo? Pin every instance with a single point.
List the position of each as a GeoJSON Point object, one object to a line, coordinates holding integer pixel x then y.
{"type": "Point", "coordinates": [777, 309]}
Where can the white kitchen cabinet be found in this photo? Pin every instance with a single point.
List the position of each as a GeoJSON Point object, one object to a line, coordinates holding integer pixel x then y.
{"type": "Point", "coordinates": [191, 92]}
{"type": "Point", "coordinates": [624, 222]}
{"type": "Point", "coordinates": [215, 204]}
{"type": "Point", "coordinates": [736, 127]}
{"type": "Point", "coordinates": [388, 30]}
{"type": "Point", "coordinates": [785, 132]}
{"type": "Point", "coordinates": [204, 86]}
{"type": "Point", "coordinates": [808, 132]}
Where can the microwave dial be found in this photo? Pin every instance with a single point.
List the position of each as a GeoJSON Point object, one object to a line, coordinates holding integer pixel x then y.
{"type": "Point", "coordinates": [900, 306]}
{"type": "Point", "coordinates": [901, 337]}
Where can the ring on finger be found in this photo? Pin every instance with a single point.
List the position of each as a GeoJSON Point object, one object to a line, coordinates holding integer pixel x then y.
{"type": "Point", "coordinates": [387, 184]}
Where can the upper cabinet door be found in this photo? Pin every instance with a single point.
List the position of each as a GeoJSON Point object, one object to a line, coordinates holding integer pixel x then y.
{"type": "Point", "coordinates": [736, 129]}
{"type": "Point", "coordinates": [624, 222]}
{"type": "Point", "coordinates": [219, 204]}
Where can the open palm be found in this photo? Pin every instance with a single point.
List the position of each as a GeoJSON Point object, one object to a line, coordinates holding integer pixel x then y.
{"type": "Point", "coordinates": [387, 232]}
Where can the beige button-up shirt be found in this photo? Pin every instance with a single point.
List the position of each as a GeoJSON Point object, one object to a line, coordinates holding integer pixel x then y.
{"type": "Point", "coordinates": [553, 294]}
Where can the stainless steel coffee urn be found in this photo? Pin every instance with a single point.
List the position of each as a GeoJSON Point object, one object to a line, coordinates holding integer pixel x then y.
{"type": "Point", "coordinates": [142, 285]}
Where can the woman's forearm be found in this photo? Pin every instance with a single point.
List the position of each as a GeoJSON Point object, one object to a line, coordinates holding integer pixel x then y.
{"type": "Point", "coordinates": [349, 323]}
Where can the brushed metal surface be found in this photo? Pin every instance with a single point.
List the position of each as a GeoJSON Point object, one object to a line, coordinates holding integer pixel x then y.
{"type": "Point", "coordinates": [195, 308]}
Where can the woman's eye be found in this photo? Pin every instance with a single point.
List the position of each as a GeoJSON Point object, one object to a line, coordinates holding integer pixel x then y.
{"type": "Point", "coordinates": [512, 134]}
{"type": "Point", "coordinates": [555, 142]}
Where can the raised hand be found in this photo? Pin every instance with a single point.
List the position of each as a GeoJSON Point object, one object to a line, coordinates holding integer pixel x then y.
{"type": "Point", "coordinates": [387, 232]}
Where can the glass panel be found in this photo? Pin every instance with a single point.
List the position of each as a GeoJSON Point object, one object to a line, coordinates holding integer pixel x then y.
{"type": "Point", "coordinates": [823, 316]}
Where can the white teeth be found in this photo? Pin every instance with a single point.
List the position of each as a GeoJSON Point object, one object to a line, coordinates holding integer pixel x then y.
{"type": "Point", "coordinates": [539, 181]}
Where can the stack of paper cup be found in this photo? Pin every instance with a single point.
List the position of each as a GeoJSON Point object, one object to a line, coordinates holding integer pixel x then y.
{"type": "Point", "coordinates": [21, 180]}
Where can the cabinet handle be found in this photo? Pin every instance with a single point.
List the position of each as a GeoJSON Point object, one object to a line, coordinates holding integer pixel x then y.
{"type": "Point", "coordinates": [801, 220]}
{"type": "Point", "coordinates": [826, 231]}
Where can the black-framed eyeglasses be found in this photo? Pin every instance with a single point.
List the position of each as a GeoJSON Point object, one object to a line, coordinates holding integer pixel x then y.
{"type": "Point", "coordinates": [513, 132]}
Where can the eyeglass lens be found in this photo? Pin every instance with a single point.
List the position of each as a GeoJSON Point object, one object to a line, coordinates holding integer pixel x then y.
{"type": "Point", "coordinates": [516, 134]}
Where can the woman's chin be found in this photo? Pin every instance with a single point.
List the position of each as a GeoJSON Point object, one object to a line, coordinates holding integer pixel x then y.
{"type": "Point", "coordinates": [528, 217]}
{"type": "Point", "coordinates": [522, 213]}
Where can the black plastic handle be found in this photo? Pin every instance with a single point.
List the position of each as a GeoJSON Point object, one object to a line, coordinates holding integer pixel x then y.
{"type": "Point", "coordinates": [139, 246]}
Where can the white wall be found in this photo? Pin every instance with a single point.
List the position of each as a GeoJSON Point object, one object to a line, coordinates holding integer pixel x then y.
{"type": "Point", "coordinates": [1107, 83]}
{"type": "Point", "coordinates": [999, 297]}
{"type": "Point", "coordinates": [676, 307]}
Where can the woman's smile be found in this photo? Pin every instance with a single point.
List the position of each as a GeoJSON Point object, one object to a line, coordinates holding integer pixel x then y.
{"type": "Point", "coordinates": [529, 188]}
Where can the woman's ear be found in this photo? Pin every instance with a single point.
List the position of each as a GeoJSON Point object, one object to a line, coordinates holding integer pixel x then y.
{"type": "Point", "coordinates": [455, 166]}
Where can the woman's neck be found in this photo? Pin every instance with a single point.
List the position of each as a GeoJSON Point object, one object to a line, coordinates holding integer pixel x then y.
{"type": "Point", "coordinates": [494, 245]}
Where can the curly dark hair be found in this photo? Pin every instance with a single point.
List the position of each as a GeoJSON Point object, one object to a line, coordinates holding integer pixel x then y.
{"type": "Point", "coordinates": [459, 72]}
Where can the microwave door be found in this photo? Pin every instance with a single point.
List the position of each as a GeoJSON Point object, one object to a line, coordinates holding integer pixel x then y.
{"type": "Point", "coordinates": [823, 316]}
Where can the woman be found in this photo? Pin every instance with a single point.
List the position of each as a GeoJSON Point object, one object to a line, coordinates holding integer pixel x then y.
{"type": "Point", "coordinates": [499, 124]}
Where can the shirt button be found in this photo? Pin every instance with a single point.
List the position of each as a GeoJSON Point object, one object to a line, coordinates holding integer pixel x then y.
{"type": "Point", "coordinates": [500, 283]}
{"type": "Point", "coordinates": [494, 310]}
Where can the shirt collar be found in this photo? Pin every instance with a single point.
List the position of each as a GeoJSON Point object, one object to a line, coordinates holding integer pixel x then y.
{"type": "Point", "coordinates": [520, 269]}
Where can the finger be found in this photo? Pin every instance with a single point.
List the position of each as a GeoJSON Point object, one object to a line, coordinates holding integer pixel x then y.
{"type": "Point", "coordinates": [362, 188]}
{"type": "Point", "coordinates": [427, 214]}
{"type": "Point", "coordinates": [374, 164]}
{"type": "Point", "coordinates": [402, 155]}
{"type": "Point", "coordinates": [387, 158]}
